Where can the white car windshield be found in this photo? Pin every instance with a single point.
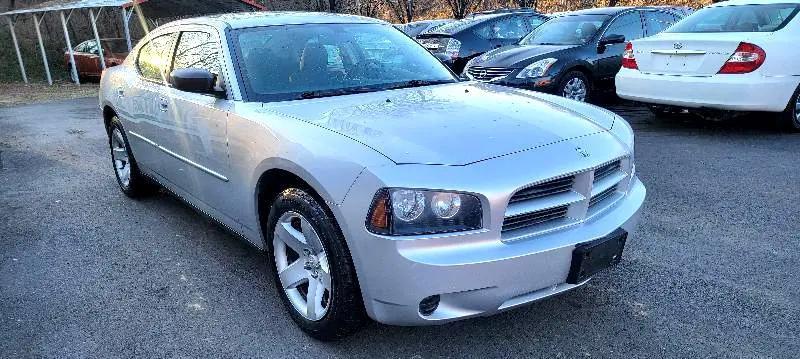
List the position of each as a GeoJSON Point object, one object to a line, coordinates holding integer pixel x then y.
{"type": "Point", "coordinates": [738, 18]}
{"type": "Point", "coordinates": [278, 63]}
{"type": "Point", "coordinates": [566, 30]}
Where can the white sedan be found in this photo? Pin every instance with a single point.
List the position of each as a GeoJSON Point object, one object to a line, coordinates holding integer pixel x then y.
{"type": "Point", "coordinates": [738, 55]}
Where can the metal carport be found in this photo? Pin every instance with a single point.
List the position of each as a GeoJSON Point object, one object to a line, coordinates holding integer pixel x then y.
{"type": "Point", "coordinates": [146, 9]}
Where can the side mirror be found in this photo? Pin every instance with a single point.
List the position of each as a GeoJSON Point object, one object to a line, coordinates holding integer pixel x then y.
{"type": "Point", "coordinates": [609, 40]}
{"type": "Point", "coordinates": [194, 80]}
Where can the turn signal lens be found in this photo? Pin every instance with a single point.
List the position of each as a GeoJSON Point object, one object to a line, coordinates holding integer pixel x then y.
{"type": "Point", "coordinates": [747, 58]}
{"type": "Point", "coordinates": [628, 58]}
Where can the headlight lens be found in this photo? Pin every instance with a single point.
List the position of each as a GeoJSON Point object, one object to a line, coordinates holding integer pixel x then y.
{"type": "Point", "coordinates": [403, 212]}
{"type": "Point", "coordinates": [536, 69]}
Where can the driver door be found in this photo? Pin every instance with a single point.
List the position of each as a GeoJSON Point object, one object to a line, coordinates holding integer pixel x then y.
{"type": "Point", "coordinates": [628, 24]}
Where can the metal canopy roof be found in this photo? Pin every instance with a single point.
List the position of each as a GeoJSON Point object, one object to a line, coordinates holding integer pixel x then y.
{"type": "Point", "coordinates": [151, 8]}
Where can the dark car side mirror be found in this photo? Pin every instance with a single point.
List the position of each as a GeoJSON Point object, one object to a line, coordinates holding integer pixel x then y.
{"type": "Point", "coordinates": [195, 80]}
{"type": "Point", "coordinates": [609, 40]}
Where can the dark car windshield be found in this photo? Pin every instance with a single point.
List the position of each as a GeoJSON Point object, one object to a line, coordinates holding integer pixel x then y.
{"type": "Point", "coordinates": [566, 30]}
{"type": "Point", "coordinates": [738, 18]}
{"type": "Point", "coordinates": [289, 62]}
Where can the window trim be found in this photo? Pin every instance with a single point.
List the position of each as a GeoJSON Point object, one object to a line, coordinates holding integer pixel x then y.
{"type": "Point", "coordinates": [610, 22]}
{"type": "Point", "coordinates": [144, 44]}
{"type": "Point", "coordinates": [677, 16]}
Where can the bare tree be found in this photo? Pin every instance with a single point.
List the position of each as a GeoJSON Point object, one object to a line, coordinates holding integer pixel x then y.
{"type": "Point", "coordinates": [612, 3]}
{"type": "Point", "coordinates": [461, 8]}
{"type": "Point", "coordinates": [526, 3]}
{"type": "Point", "coordinates": [403, 10]}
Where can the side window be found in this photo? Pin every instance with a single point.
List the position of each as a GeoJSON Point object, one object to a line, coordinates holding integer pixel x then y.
{"type": "Point", "coordinates": [155, 57]}
{"type": "Point", "coordinates": [198, 50]}
{"type": "Point", "coordinates": [628, 25]}
{"type": "Point", "coordinates": [81, 47]}
{"type": "Point", "coordinates": [657, 21]}
{"type": "Point", "coordinates": [91, 47]}
{"type": "Point", "coordinates": [510, 27]}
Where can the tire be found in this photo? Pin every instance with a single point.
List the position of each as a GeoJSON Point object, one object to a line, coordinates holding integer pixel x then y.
{"type": "Point", "coordinates": [129, 178]}
{"type": "Point", "coordinates": [576, 86]}
{"type": "Point", "coordinates": [301, 233]}
{"type": "Point", "coordinates": [790, 118]}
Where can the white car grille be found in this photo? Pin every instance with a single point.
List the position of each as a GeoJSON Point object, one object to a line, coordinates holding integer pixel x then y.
{"type": "Point", "coordinates": [567, 200]}
{"type": "Point", "coordinates": [481, 73]}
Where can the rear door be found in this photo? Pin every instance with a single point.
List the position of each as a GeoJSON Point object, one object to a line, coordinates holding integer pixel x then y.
{"type": "Point", "coordinates": [628, 24]}
{"type": "Point", "coordinates": [196, 128]}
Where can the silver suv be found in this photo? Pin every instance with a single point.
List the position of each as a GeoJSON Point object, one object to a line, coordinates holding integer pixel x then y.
{"type": "Point", "coordinates": [378, 184]}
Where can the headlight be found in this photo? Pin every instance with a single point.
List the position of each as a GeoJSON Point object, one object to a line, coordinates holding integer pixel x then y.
{"type": "Point", "coordinates": [624, 133]}
{"type": "Point", "coordinates": [536, 69]}
{"type": "Point", "coordinates": [404, 212]}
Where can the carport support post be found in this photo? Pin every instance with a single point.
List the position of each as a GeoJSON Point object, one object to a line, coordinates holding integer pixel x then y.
{"type": "Point", "coordinates": [11, 22]}
{"type": "Point", "coordinates": [126, 22]}
{"type": "Point", "coordinates": [97, 38]}
{"type": "Point", "coordinates": [38, 23]}
{"type": "Point", "coordinates": [74, 67]}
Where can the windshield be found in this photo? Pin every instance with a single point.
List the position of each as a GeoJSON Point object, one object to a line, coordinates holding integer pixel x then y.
{"type": "Point", "coordinates": [738, 18]}
{"type": "Point", "coordinates": [566, 30]}
{"type": "Point", "coordinates": [289, 62]}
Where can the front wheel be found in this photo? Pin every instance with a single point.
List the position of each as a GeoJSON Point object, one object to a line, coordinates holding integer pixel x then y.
{"type": "Point", "coordinates": [129, 178]}
{"type": "Point", "coordinates": [791, 115]}
{"type": "Point", "coordinates": [314, 272]}
{"type": "Point", "coordinates": [575, 86]}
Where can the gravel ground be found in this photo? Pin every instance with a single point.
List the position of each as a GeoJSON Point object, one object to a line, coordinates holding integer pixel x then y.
{"type": "Point", "coordinates": [86, 272]}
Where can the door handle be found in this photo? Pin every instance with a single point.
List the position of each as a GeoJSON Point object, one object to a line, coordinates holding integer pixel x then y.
{"type": "Point", "coordinates": [163, 105]}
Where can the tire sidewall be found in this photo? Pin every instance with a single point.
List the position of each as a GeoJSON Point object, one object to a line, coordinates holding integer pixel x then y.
{"type": "Point", "coordinates": [791, 121]}
{"type": "Point", "coordinates": [571, 75]}
{"type": "Point", "coordinates": [345, 312]}
{"type": "Point", "coordinates": [136, 185]}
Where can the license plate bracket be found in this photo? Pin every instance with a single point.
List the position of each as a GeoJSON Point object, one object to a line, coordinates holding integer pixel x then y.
{"type": "Point", "coordinates": [592, 257]}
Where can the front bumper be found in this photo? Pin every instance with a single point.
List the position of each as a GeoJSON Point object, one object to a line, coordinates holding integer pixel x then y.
{"type": "Point", "coordinates": [475, 273]}
{"type": "Point", "coordinates": [749, 92]}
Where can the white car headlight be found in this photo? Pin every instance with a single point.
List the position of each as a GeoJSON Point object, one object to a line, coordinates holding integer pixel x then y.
{"type": "Point", "coordinates": [624, 133]}
{"type": "Point", "coordinates": [404, 212]}
{"type": "Point", "coordinates": [536, 69]}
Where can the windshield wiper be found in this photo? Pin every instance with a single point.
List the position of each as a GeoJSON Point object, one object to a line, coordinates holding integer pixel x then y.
{"type": "Point", "coordinates": [418, 83]}
{"type": "Point", "coordinates": [335, 92]}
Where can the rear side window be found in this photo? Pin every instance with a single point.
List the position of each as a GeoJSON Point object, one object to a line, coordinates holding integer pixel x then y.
{"type": "Point", "coordinates": [155, 57]}
{"type": "Point", "coordinates": [198, 50]}
{"type": "Point", "coordinates": [628, 25]}
{"type": "Point", "coordinates": [738, 18]}
{"type": "Point", "coordinates": [657, 21]}
{"type": "Point", "coordinates": [511, 27]}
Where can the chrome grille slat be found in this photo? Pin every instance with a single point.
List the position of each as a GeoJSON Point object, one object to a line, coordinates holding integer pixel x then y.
{"type": "Point", "coordinates": [601, 196]}
{"type": "Point", "coordinates": [481, 73]}
{"type": "Point", "coordinates": [532, 219]}
{"type": "Point", "coordinates": [607, 169]}
{"type": "Point", "coordinates": [548, 188]}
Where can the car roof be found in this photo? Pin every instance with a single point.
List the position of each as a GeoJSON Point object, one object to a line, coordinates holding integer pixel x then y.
{"type": "Point", "coordinates": [272, 18]}
{"type": "Point", "coordinates": [614, 10]}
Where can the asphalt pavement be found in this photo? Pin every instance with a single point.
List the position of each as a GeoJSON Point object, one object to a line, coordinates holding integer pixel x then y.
{"type": "Point", "coordinates": [714, 270]}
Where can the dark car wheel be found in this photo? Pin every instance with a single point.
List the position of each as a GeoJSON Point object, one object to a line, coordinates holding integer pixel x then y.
{"type": "Point", "coordinates": [791, 115]}
{"type": "Point", "coordinates": [314, 272]}
{"type": "Point", "coordinates": [130, 179]}
{"type": "Point", "coordinates": [575, 86]}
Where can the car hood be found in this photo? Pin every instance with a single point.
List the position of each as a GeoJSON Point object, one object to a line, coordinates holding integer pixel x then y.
{"type": "Point", "coordinates": [518, 55]}
{"type": "Point", "coordinates": [451, 124]}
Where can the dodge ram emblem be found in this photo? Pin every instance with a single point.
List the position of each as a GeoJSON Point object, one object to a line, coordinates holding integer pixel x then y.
{"type": "Point", "coordinates": [582, 152]}
{"type": "Point", "coordinates": [677, 46]}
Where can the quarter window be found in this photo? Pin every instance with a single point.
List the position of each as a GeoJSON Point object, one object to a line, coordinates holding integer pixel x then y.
{"type": "Point", "coordinates": [628, 25]}
{"type": "Point", "coordinates": [198, 50]}
{"type": "Point", "coordinates": [155, 57]}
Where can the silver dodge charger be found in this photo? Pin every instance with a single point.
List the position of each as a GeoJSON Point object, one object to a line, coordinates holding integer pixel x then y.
{"type": "Point", "coordinates": [378, 182]}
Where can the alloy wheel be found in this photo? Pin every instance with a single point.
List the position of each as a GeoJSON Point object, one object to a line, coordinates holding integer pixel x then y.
{"type": "Point", "coordinates": [797, 111]}
{"type": "Point", "coordinates": [575, 89]}
{"type": "Point", "coordinates": [119, 154]}
{"type": "Point", "coordinates": [302, 266]}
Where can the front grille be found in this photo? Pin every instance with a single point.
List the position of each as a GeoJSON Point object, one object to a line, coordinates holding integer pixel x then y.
{"type": "Point", "coordinates": [548, 188]}
{"type": "Point", "coordinates": [606, 170]}
{"type": "Point", "coordinates": [601, 196]}
{"type": "Point", "coordinates": [534, 218]}
{"type": "Point", "coordinates": [481, 73]}
{"type": "Point", "coordinates": [564, 201]}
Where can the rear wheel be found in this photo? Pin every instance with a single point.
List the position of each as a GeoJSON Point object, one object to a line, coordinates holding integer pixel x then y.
{"type": "Point", "coordinates": [791, 115]}
{"type": "Point", "coordinates": [575, 86]}
{"type": "Point", "coordinates": [314, 272]}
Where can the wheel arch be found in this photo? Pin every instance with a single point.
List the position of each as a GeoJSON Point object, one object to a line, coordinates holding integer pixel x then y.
{"type": "Point", "coordinates": [108, 114]}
